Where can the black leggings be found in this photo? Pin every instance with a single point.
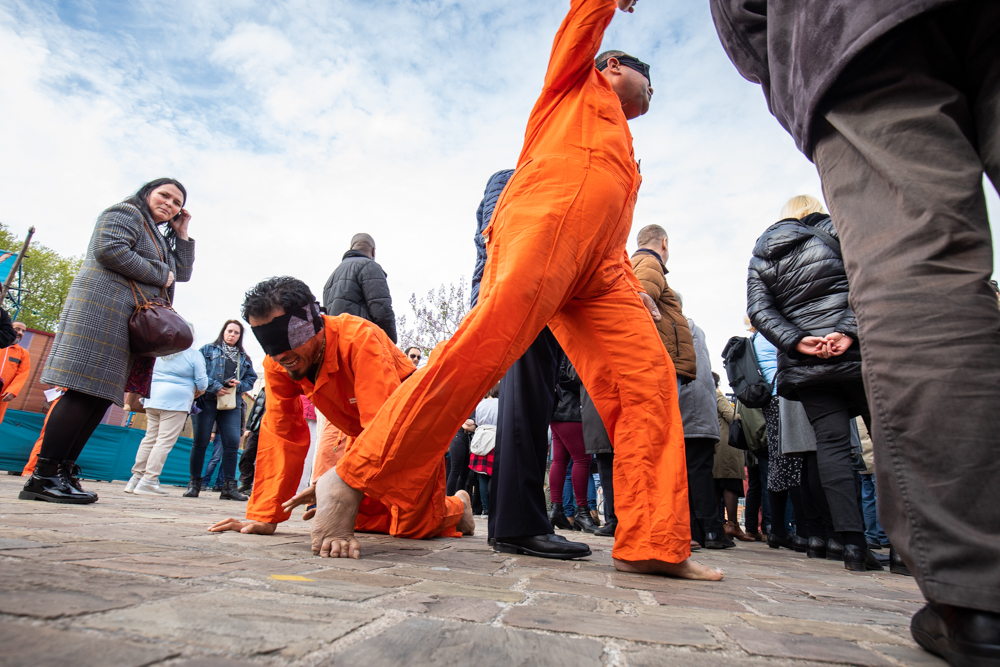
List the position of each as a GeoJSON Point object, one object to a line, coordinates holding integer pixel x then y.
{"type": "Point", "coordinates": [779, 504]}
{"type": "Point", "coordinates": [73, 420]}
{"type": "Point", "coordinates": [458, 476]}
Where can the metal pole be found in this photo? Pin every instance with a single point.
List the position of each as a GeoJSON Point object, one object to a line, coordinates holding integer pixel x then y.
{"type": "Point", "coordinates": [17, 265]}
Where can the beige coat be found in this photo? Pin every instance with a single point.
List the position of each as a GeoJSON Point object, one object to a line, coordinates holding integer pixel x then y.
{"type": "Point", "coordinates": [729, 461]}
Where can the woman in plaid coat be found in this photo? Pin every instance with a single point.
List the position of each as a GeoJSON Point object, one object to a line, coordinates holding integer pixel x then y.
{"type": "Point", "coordinates": [90, 355]}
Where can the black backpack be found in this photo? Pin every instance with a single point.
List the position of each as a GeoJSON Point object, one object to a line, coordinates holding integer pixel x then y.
{"type": "Point", "coordinates": [745, 378]}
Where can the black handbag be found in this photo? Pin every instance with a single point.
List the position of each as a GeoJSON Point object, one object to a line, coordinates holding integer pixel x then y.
{"type": "Point", "coordinates": [737, 439]}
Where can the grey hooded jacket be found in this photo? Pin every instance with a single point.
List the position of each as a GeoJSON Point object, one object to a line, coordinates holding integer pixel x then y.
{"type": "Point", "coordinates": [699, 407]}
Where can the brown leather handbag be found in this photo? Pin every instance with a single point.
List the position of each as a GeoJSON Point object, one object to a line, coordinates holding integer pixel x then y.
{"type": "Point", "coordinates": [155, 328]}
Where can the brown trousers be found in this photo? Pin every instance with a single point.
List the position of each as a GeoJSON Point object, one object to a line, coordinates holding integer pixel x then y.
{"type": "Point", "coordinates": [910, 128]}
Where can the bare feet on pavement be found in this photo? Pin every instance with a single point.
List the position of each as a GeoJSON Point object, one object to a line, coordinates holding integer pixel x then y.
{"type": "Point", "coordinates": [467, 524]}
{"type": "Point", "coordinates": [336, 513]}
{"type": "Point", "coordinates": [687, 569]}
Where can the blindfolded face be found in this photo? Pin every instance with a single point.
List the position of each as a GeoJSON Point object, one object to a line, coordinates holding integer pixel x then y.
{"type": "Point", "coordinates": [290, 338]}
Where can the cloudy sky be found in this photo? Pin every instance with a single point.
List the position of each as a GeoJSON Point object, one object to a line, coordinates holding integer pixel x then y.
{"type": "Point", "coordinates": [295, 125]}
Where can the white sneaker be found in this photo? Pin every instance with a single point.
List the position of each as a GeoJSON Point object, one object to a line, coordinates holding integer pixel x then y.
{"type": "Point", "coordinates": [130, 487]}
{"type": "Point", "coordinates": [144, 488]}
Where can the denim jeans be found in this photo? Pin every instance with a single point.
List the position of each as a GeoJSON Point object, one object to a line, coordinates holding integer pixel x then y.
{"type": "Point", "coordinates": [213, 462]}
{"type": "Point", "coordinates": [484, 492]}
{"type": "Point", "coordinates": [873, 529]}
{"type": "Point", "coordinates": [569, 501]}
{"type": "Point", "coordinates": [228, 426]}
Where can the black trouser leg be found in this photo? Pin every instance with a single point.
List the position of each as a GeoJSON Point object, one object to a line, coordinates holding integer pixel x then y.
{"type": "Point", "coordinates": [700, 454]}
{"type": "Point", "coordinates": [527, 396]}
{"type": "Point", "coordinates": [795, 494]}
{"type": "Point", "coordinates": [73, 420]}
{"type": "Point", "coordinates": [753, 501]}
{"type": "Point", "coordinates": [458, 452]}
{"type": "Point", "coordinates": [817, 510]}
{"type": "Point", "coordinates": [248, 462]}
{"type": "Point", "coordinates": [605, 468]}
{"type": "Point", "coordinates": [779, 504]}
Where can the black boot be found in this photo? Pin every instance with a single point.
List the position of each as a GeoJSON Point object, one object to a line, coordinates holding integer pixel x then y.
{"type": "Point", "coordinates": [816, 548]}
{"type": "Point", "coordinates": [834, 550]}
{"type": "Point", "coordinates": [229, 491]}
{"type": "Point", "coordinates": [70, 472]}
{"type": "Point", "coordinates": [800, 544]}
{"type": "Point", "coordinates": [775, 541]}
{"type": "Point", "coordinates": [558, 518]}
{"type": "Point", "coordinates": [583, 520]}
{"type": "Point", "coordinates": [607, 530]}
{"type": "Point", "coordinates": [857, 559]}
{"type": "Point", "coordinates": [245, 487]}
{"type": "Point", "coordinates": [896, 564]}
{"type": "Point", "coordinates": [194, 488]}
{"type": "Point", "coordinates": [47, 484]}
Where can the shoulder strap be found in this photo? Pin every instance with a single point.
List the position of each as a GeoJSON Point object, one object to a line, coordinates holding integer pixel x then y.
{"type": "Point", "coordinates": [826, 238]}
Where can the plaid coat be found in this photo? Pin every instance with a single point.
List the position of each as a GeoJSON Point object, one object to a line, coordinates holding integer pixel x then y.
{"type": "Point", "coordinates": [91, 350]}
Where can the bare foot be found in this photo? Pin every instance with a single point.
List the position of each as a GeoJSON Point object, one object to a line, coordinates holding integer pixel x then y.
{"type": "Point", "coordinates": [687, 569]}
{"type": "Point", "coordinates": [467, 524]}
{"type": "Point", "coordinates": [336, 513]}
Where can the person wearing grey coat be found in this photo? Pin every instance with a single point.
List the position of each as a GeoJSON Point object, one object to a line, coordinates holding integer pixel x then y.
{"type": "Point", "coordinates": [91, 356]}
{"type": "Point", "coordinates": [700, 415]}
{"type": "Point", "coordinates": [896, 103]}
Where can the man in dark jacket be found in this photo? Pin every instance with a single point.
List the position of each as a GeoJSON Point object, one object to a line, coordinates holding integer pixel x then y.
{"type": "Point", "coordinates": [7, 333]}
{"type": "Point", "coordinates": [358, 287]}
{"type": "Point", "coordinates": [896, 102]}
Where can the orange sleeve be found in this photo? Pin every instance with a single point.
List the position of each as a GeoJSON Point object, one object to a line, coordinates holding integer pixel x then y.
{"type": "Point", "coordinates": [22, 372]}
{"type": "Point", "coordinates": [282, 447]}
{"type": "Point", "coordinates": [577, 42]}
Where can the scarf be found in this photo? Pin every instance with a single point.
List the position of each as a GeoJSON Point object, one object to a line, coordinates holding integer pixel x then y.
{"type": "Point", "coordinates": [232, 353]}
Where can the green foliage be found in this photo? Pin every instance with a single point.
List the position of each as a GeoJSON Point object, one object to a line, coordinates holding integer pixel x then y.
{"type": "Point", "coordinates": [45, 279]}
{"type": "Point", "coordinates": [436, 317]}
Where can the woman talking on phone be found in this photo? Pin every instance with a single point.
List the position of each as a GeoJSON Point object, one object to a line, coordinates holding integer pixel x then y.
{"type": "Point", "coordinates": [230, 374]}
{"type": "Point", "coordinates": [142, 241]}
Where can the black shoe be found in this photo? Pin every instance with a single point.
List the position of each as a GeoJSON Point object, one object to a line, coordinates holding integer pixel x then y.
{"type": "Point", "coordinates": [756, 535]}
{"type": "Point", "coordinates": [775, 541]}
{"type": "Point", "coordinates": [70, 472]}
{"type": "Point", "coordinates": [857, 559]}
{"type": "Point", "coordinates": [543, 546]}
{"type": "Point", "coordinates": [874, 545]}
{"type": "Point", "coordinates": [834, 550]}
{"type": "Point", "coordinates": [229, 492]}
{"type": "Point", "coordinates": [800, 544]}
{"type": "Point", "coordinates": [194, 488]}
{"type": "Point", "coordinates": [963, 637]}
{"type": "Point", "coordinates": [558, 518]}
{"type": "Point", "coordinates": [245, 488]}
{"type": "Point", "coordinates": [718, 541]}
{"type": "Point", "coordinates": [896, 564]}
{"type": "Point", "coordinates": [607, 530]}
{"type": "Point", "coordinates": [816, 548]}
{"type": "Point", "coordinates": [47, 484]}
{"type": "Point", "coordinates": [583, 521]}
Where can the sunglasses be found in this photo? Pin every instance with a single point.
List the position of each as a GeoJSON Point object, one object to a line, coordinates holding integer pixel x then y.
{"type": "Point", "coordinates": [630, 62]}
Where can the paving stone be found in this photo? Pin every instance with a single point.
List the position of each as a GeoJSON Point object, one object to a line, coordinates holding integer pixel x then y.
{"type": "Point", "coordinates": [420, 642]}
{"type": "Point", "coordinates": [804, 647]}
{"type": "Point", "coordinates": [592, 577]}
{"type": "Point", "coordinates": [163, 566]}
{"type": "Point", "coordinates": [241, 622]}
{"type": "Point", "coordinates": [442, 588]}
{"type": "Point", "coordinates": [817, 611]}
{"type": "Point", "coordinates": [700, 600]}
{"type": "Point", "coordinates": [459, 608]}
{"type": "Point", "coordinates": [820, 629]}
{"type": "Point", "coordinates": [913, 656]}
{"type": "Point", "coordinates": [13, 543]}
{"type": "Point", "coordinates": [593, 605]}
{"type": "Point", "coordinates": [686, 615]}
{"type": "Point", "coordinates": [570, 588]}
{"type": "Point", "coordinates": [663, 656]}
{"type": "Point", "coordinates": [886, 593]}
{"type": "Point", "coordinates": [456, 577]}
{"type": "Point", "coordinates": [622, 627]}
{"type": "Point", "coordinates": [214, 662]}
{"type": "Point", "coordinates": [30, 589]}
{"type": "Point", "coordinates": [25, 644]}
{"type": "Point", "coordinates": [296, 584]}
{"type": "Point", "coordinates": [378, 580]}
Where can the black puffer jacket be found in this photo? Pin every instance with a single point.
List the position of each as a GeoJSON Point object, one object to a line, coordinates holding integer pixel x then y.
{"type": "Point", "coordinates": [797, 287]}
{"type": "Point", "coordinates": [567, 392]}
{"type": "Point", "coordinates": [358, 287]}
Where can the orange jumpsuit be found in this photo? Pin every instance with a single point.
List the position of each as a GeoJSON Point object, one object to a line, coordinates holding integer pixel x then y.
{"type": "Point", "coordinates": [33, 458]}
{"type": "Point", "coordinates": [15, 367]}
{"type": "Point", "coordinates": [360, 370]}
{"type": "Point", "coordinates": [556, 248]}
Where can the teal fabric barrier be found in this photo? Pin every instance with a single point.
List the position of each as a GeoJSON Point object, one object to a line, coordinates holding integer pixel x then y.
{"type": "Point", "coordinates": [109, 454]}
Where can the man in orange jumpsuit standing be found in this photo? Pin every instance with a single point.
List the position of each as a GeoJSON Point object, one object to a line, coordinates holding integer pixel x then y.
{"type": "Point", "coordinates": [347, 367]}
{"type": "Point", "coordinates": [15, 366]}
{"type": "Point", "coordinates": [556, 257]}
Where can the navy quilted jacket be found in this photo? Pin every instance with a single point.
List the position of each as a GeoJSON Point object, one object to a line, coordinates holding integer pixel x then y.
{"type": "Point", "coordinates": [494, 187]}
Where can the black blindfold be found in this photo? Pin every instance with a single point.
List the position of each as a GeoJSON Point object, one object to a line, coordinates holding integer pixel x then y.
{"type": "Point", "coordinates": [630, 62]}
{"type": "Point", "coordinates": [289, 331]}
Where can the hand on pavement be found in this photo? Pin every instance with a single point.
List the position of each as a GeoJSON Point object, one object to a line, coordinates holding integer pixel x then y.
{"type": "Point", "coordinates": [246, 527]}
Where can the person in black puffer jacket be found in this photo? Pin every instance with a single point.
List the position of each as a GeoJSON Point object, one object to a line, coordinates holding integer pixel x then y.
{"type": "Point", "coordinates": [797, 298]}
{"type": "Point", "coordinates": [358, 287]}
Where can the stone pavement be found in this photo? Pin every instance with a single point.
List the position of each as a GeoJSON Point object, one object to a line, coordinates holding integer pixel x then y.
{"type": "Point", "coordinates": [136, 581]}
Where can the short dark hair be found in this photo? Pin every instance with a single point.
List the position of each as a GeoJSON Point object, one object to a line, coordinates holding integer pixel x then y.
{"type": "Point", "coordinates": [413, 347]}
{"type": "Point", "coordinates": [603, 57]}
{"type": "Point", "coordinates": [282, 292]}
{"type": "Point", "coordinates": [239, 342]}
{"type": "Point", "coordinates": [715, 376]}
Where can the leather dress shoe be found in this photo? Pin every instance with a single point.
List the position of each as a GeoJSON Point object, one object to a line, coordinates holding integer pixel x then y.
{"type": "Point", "coordinates": [964, 637]}
{"type": "Point", "coordinates": [756, 535]}
{"type": "Point", "coordinates": [816, 547]}
{"type": "Point", "coordinates": [857, 559]}
{"type": "Point", "coordinates": [874, 545]}
{"type": "Point", "coordinates": [607, 530]}
{"type": "Point", "coordinates": [834, 549]}
{"type": "Point", "coordinates": [800, 544]}
{"type": "Point", "coordinates": [543, 546]}
{"type": "Point", "coordinates": [896, 564]}
{"type": "Point", "coordinates": [718, 541]}
{"type": "Point", "coordinates": [775, 541]}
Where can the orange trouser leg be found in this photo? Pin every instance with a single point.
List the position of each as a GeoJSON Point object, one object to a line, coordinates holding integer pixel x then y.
{"type": "Point", "coordinates": [33, 459]}
{"type": "Point", "coordinates": [542, 249]}
{"type": "Point", "coordinates": [613, 345]}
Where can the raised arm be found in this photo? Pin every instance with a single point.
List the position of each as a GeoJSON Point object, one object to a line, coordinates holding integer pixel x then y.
{"type": "Point", "coordinates": [578, 40]}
